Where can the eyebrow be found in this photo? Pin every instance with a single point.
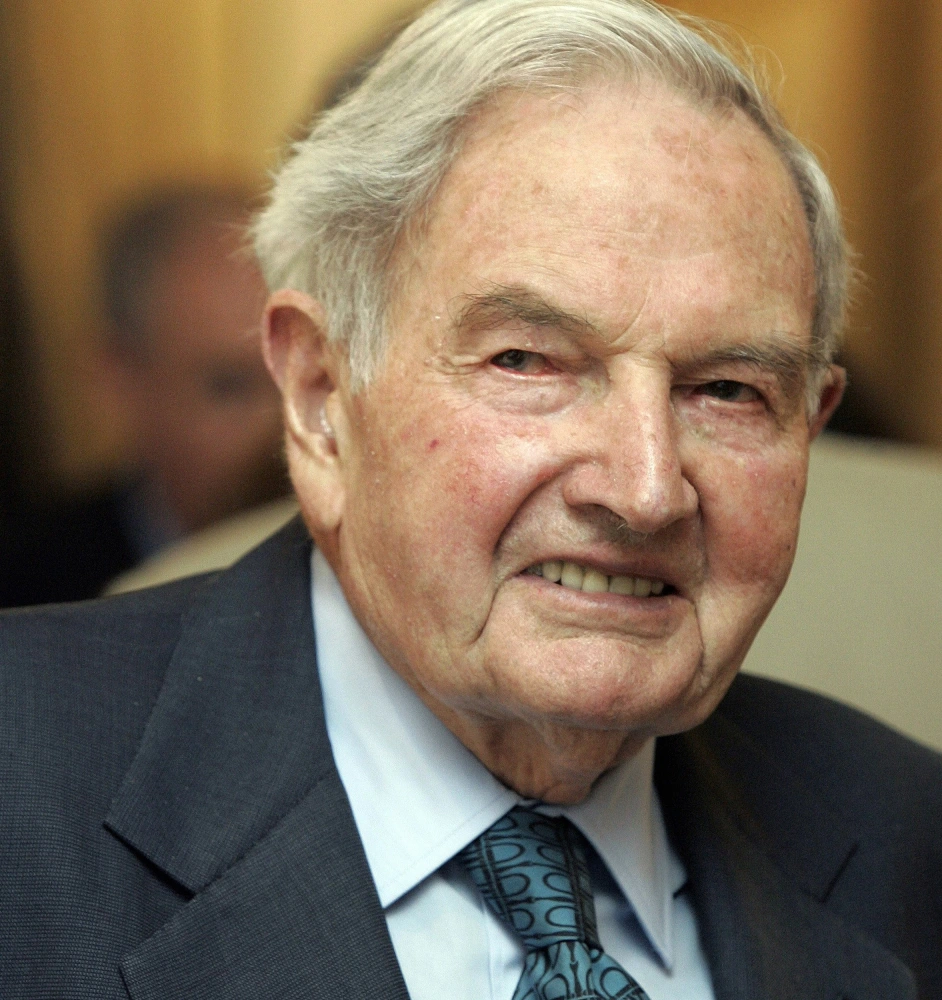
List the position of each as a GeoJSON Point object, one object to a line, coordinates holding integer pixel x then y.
{"type": "Point", "coordinates": [787, 361]}
{"type": "Point", "coordinates": [515, 303]}
{"type": "Point", "coordinates": [790, 363]}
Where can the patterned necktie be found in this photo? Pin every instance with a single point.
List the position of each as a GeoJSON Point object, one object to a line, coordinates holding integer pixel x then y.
{"type": "Point", "coordinates": [531, 871]}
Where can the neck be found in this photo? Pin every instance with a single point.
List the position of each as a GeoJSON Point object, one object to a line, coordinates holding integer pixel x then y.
{"type": "Point", "coordinates": [545, 760]}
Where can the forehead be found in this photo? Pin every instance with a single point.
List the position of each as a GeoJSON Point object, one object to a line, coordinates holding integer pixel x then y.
{"type": "Point", "coordinates": [614, 192]}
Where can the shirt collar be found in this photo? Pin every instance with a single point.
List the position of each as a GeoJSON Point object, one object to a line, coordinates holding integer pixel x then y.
{"type": "Point", "coordinates": [419, 796]}
{"type": "Point", "coordinates": [622, 820]}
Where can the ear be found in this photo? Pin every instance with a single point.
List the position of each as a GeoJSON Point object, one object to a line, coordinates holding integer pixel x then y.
{"type": "Point", "coordinates": [832, 389]}
{"type": "Point", "coordinates": [307, 369]}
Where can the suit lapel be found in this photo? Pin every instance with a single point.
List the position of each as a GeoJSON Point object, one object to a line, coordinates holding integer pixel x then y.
{"type": "Point", "coordinates": [297, 917]}
{"type": "Point", "coordinates": [762, 856]}
{"type": "Point", "coordinates": [234, 796]}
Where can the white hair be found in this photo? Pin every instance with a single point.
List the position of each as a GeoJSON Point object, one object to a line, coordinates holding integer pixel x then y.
{"type": "Point", "coordinates": [344, 199]}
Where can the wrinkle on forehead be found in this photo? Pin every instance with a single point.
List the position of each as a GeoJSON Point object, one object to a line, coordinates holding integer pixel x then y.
{"type": "Point", "coordinates": [685, 184]}
{"type": "Point", "coordinates": [682, 144]}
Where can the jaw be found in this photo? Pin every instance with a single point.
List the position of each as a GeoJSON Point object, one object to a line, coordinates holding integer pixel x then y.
{"type": "Point", "coordinates": [549, 686]}
{"type": "Point", "coordinates": [549, 715]}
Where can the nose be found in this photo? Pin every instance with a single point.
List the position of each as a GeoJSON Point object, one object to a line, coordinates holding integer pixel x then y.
{"type": "Point", "coordinates": [628, 459]}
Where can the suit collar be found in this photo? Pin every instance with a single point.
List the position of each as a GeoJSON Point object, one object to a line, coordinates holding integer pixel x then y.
{"type": "Point", "coordinates": [234, 796]}
{"type": "Point", "coordinates": [237, 735]}
{"type": "Point", "coordinates": [297, 917]}
{"type": "Point", "coordinates": [763, 854]}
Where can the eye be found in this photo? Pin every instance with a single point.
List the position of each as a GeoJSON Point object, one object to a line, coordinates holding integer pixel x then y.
{"type": "Point", "coordinates": [730, 391]}
{"type": "Point", "coordinates": [523, 362]}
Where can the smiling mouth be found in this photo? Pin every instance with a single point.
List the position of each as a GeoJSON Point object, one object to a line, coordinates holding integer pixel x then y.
{"type": "Point", "coordinates": [592, 581]}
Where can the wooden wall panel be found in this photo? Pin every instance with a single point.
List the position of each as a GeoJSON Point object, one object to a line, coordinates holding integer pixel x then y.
{"type": "Point", "coordinates": [926, 361]}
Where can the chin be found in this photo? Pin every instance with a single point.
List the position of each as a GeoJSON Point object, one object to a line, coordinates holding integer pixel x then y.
{"type": "Point", "coordinates": [643, 694]}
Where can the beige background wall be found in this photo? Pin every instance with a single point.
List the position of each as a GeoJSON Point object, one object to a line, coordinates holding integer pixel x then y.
{"type": "Point", "coordinates": [100, 97]}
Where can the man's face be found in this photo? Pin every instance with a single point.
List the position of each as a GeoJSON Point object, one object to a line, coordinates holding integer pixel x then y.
{"type": "Point", "coordinates": [208, 424]}
{"type": "Point", "coordinates": [596, 367]}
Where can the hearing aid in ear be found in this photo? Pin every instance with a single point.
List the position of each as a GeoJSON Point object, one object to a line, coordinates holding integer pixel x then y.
{"type": "Point", "coordinates": [326, 429]}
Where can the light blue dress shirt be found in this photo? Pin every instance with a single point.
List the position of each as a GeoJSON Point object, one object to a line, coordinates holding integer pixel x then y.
{"type": "Point", "coordinates": [419, 796]}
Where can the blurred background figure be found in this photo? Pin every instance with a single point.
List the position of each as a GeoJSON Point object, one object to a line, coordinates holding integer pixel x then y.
{"type": "Point", "coordinates": [183, 300]}
{"type": "Point", "coordinates": [180, 353]}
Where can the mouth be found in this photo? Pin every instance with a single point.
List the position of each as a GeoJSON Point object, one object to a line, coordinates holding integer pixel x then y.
{"type": "Point", "coordinates": [590, 580]}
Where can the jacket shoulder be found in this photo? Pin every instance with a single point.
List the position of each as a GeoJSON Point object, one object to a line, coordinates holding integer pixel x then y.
{"type": "Point", "coordinates": [846, 809]}
{"type": "Point", "coordinates": [83, 688]}
{"type": "Point", "coordinates": [77, 682]}
{"type": "Point", "coordinates": [83, 641]}
{"type": "Point", "coordinates": [852, 758]}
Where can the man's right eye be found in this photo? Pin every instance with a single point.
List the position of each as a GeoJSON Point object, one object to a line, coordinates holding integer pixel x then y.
{"type": "Point", "coordinates": [516, 360]}
{"type": "Point", "coordinates": [730, 391]}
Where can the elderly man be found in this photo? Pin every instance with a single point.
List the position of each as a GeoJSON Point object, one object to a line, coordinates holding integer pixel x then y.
{"type": "Point", "coordinates": [557, 297]}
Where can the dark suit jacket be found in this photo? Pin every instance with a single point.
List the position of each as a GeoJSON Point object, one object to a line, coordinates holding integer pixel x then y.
{"type": "Point", "coordinates": [172, 823]}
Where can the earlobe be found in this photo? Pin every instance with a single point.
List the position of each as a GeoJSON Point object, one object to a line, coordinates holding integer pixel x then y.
{"type": "Point", "coordinates": [305, 366]}
{"type": "Point", "coordinates": [832, 389]}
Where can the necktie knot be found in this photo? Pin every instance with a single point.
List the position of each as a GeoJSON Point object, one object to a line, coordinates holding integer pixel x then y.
{"type": "Point", "coordinates": [532, 872]}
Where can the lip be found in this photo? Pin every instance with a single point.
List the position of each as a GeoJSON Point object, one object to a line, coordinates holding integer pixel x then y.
{"type": "Point", "coordinates": [646, 617]}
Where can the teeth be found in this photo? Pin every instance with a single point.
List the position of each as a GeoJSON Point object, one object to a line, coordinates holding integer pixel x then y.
{"type": "Point", "coordinates": [595, 582]}
{"type": "Point", "coordinates": [573, 576]}
{"type": "Point", "coordinates": [624, 585]}
{"type": "Point", "coordinates": [591, 581]}
{"type": "Point", "coordinates": [553, 571]}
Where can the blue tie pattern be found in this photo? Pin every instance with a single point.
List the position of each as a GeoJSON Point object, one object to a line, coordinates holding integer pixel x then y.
{"type": "Point", "coordinates": [531, 871]}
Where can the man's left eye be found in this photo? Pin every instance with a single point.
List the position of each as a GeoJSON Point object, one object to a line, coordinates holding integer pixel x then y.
{"type": "Point", "coordinates": [730, 391]}
{"type": "Point", "coordinates": [516, 360]}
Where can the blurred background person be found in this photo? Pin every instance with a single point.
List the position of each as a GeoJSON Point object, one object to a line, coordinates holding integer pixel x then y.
{"type": "Point", "coordinates": [182, 301]}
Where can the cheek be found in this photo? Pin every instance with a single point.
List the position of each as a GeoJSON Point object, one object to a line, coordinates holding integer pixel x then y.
{"type": "Point", "coordinates": [426, 509]}
{"type": "Point", "coordinates": [440, 490]}
{"type": "Point", "coordinates": [751, 503]}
